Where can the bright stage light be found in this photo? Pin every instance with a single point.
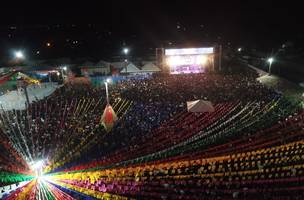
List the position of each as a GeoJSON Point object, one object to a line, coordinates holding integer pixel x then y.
{"type": "Point", "coordinates": [187, 60]}
{"type": "Point", "coordinates": [43, 178]}
{"type": "Point", "coordinates": [173, 60]}
{"type": "Point", "coordinates": [37, 165]}
{"type": "Point", "coordinates": [202, 60]}
{"type": "Point", "coordinates": [189, 51]}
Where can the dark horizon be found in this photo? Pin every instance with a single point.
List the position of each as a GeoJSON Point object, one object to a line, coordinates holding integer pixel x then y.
{"type": "Point", "coordinates": [102, 29]}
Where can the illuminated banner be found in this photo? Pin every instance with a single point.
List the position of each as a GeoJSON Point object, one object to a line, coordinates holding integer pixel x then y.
{"type": "Point", "coordinates": [189, 51]}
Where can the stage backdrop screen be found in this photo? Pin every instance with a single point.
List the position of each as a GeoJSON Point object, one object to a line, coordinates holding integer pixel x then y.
{"type": "Point", "coordinates": [190, 60]}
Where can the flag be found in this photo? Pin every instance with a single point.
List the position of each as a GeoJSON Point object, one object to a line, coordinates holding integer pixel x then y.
{"type": "Point", "coordinates": [108, 118]}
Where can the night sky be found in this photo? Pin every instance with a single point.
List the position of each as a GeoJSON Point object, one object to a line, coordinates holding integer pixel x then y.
{"type": "Point", "coordinates": [99, 29]}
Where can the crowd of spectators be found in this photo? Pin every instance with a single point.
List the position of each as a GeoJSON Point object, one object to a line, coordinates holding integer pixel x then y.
{"type": "Point", "coordinates": [158, 99]}
{"type": "Point", "coordinates": [154, 127]}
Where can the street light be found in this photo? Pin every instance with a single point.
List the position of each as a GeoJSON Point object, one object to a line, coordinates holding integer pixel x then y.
{"type": "Point", "coordinates": [107, 91]}
{"type": "Point", "coordinates": [63, 68]}
{"type": "Point", "coordinates": [126, 51]}
{"type": "Point", "coordinates": [239, 49]}
{"type": "Point", "coordinates": [19, 55]}
{"type": "Point", "coordinates": [270, 60]}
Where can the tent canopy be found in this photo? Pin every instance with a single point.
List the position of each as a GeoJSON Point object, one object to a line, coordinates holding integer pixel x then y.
{"type": "Point", "coordinates": [131, 68]}
{"type": "Point", "coordinates": [103, 63]}
{"type": "Point", "coordinates": [200, 106]}
{"type": "Point", "coordinates": [88, 64]}
{"type": "Point", "coordinates": [150, 67]}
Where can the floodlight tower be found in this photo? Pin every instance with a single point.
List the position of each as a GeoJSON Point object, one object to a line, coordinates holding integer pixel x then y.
{"type": "Point", "coordinates": [107, 90]}
{"type": "Point", "coordinates": [126, 52]}
{"type": "Point", "coordinates": [270, 61]}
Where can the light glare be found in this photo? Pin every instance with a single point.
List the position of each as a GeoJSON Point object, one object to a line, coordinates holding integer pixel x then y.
{"type": "Point", "coordinates": [126, 50]}
{"type": "Point", "coordinates": [187, 60]}
{"type": "Point", "coordinates": [37, 165]}
{"type": "Point", "coordinates": [19, 55]}
{"type": "Point", "coordinates": [270, 60]}
{"type": "Point", "coordinates": [189, 51]}
{"type": "Point", "coordinates": [202, 60]}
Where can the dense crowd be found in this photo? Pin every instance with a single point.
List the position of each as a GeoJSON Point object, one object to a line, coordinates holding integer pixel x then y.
{"type": "Point", "coordinates": [182, 88]}
{"type": "Point", "coordinates": [158, 150]}
{"type": "Point", "coordinates": [160, 98]}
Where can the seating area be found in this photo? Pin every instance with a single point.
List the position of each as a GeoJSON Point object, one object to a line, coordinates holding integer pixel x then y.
{"type": "Point", "coordinates": [250, 147]}
{"type": "Point", "coordinates": [246, 174]}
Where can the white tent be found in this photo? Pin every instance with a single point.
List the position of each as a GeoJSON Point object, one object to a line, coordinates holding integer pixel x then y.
{"type": "Point", "coordinates": [103, 63]}
{"type": "Point", "coordinates": [16, 99]}
{"type": "Point", "coordinates": [200, 106]}
{"type": "Point", "coordinates": [150, 67]}
{"type": "Point", "coordinates": [131, 68]}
